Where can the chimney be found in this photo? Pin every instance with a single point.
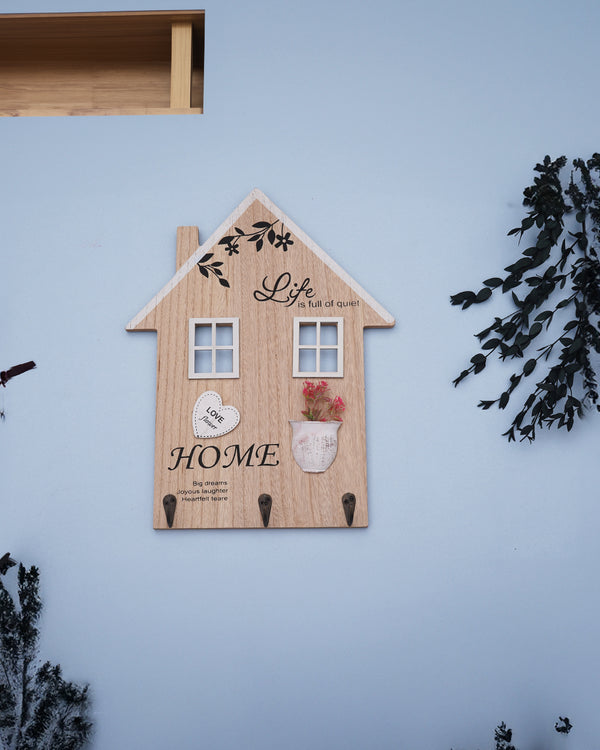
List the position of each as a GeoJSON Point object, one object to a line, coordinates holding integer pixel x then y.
{"type": "Point", "coordinates": [187, 243]}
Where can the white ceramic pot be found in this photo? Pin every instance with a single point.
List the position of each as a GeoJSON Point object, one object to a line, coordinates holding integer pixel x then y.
{"type": "Point", "coordinates": [314, 444]}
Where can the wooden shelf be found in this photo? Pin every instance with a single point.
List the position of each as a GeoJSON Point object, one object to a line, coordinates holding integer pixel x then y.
{"type": "Point", "coordinates": [126, 63]}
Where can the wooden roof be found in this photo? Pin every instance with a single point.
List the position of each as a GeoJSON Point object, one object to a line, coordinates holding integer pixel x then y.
{"type": "Point", "coordinates": [387, 319]}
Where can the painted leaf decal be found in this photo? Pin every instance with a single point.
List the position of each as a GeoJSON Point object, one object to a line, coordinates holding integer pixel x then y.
{"type": "Point", "coordinates": [262, 224]}
{"type": "Point", "coordinates": [206, 257]}
{"type": "Point", "coordinates": [203, 271]}
{"type": "Point", "coordinates": [224, 282]}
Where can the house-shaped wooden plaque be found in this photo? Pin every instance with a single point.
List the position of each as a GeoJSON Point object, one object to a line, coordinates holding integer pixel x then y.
{"type": "Point", "coordinates": [247, 320]}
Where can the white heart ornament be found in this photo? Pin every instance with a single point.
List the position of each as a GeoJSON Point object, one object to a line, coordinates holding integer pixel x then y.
{"type": "Point", "coordinates": [211, 419]}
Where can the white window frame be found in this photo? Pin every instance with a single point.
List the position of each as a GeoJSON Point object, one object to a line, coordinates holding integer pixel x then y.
{"type": "Point", "coordinates": [317, 346]}
{"type": "Point", "coordinates": [214, 347]}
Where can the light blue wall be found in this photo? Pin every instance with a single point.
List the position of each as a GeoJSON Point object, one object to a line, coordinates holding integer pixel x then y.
{"type": "Point", "coordinates": [399, 136]}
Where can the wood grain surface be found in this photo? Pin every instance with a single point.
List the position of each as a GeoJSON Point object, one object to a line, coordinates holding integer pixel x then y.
{"type": "Point", "coordinates": [147, 62]}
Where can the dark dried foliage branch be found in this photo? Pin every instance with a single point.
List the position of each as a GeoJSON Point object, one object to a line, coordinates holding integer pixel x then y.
{"type": "Point", "coordinates": [12, 372]}
{"type": "Point", "coordinates": [39, 710]}
{"type": "Point", "coordinates": [503, 735]}
{"type": "Point", "coordinates": [559, 273]}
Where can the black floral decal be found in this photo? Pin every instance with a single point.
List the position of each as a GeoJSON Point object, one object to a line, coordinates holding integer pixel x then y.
{"type": "Point", "coordinates": [261, 230]}
{"type": "Point", "coordinates": [207, 268]}
{"type": "Point", "coordinates": [283, 240]}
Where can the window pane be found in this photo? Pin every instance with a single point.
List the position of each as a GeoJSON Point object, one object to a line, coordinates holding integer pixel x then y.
{"type": "Point", "coordinates": [308, 333]}
{"type": "Point", "coordinates": [224, 334]}
{"type": "Point", "coordinates": [328, 361]}
{"type": "Point", "coordinates": [307, 360]}
{"type": "Point", "coordinates": [203, 361]}
{"type": "Point", "coordinates": [203, 335]}
{"type": "Point", "coordinates": [329, 335]}
{"type": "Point", "coordinates": [224, 360]}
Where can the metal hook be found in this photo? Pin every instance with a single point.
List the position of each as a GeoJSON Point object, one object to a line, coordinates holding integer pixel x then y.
{"type": "Point", "coordinates": [264, 503]}
{"type": "Point", "coordinates": [169, 504]}
{"type": "Point", "coordinates": [349, 503]}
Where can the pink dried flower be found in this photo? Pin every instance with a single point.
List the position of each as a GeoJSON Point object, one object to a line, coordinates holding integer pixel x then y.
{"type": "Point", "coordinates": [319, 406]}
{"type": "Point", "coordinates": [336, 407]}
